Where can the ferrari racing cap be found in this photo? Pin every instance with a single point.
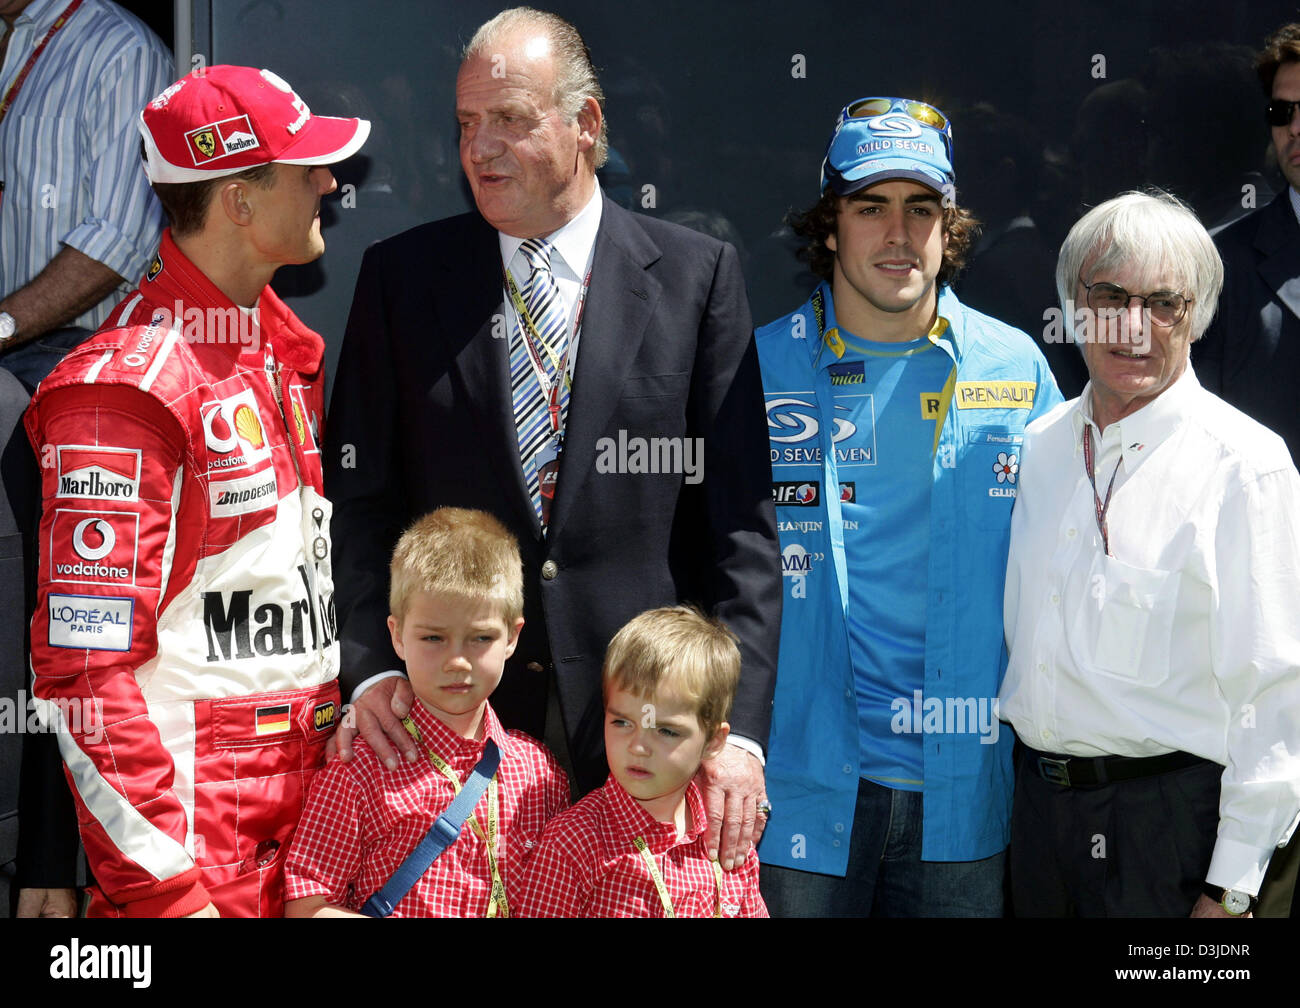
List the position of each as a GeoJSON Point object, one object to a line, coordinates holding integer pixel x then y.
{"type": "Point", "coordinates": [220, 120]}
{"type": "Point", "coordinates": [877, 139]}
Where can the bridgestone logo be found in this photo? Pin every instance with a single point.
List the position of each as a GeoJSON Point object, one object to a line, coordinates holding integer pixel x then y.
{"type": "Point", "coordinates": [244, 496]}
{"type": "Point", "coordinates": [241, 496]}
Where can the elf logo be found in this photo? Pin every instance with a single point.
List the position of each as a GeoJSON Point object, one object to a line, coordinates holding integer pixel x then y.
{"type": "Point", "coordinates": [794, 493]}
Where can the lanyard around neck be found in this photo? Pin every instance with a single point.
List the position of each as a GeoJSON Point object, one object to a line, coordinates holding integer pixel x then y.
{"type": "Point", "coordinates": [662, 889]}
{"type": "Point", "coordinates": [1099, 508]}
{"type": "Point", "coordinates": [497, 906]}
{"type": "Point", "coordinates": [12, 93]}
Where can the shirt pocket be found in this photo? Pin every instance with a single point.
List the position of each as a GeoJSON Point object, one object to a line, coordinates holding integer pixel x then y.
{"type": "Point", "coordinates": [989, 474]}
{"type": "Point", "coordinates": [1123, 627]}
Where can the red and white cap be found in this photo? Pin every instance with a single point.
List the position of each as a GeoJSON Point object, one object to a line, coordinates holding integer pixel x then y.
{"type": "Point", "coordinates": [220, 120]}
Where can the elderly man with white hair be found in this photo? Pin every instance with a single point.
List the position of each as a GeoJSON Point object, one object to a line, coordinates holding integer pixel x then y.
{"type": "Point", "coordinates": [1154, 568]}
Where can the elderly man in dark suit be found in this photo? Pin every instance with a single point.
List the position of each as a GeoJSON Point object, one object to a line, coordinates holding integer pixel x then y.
{"type": "Point", "coordinates": [586, 375]}
{"type": "Point", "coordinates": [1251, 353]}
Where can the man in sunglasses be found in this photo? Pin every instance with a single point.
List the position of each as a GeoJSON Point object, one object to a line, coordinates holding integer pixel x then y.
{"type": "Point", "coordinates": [1251, 353]}
{"type": "Point", "coordinates": [895, 417]}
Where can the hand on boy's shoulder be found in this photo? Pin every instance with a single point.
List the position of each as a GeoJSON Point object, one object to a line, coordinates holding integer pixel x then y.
{"type": "Point", "coordinates": [732, 784]}
{"type": "Point", "coordinates": [377, 716]}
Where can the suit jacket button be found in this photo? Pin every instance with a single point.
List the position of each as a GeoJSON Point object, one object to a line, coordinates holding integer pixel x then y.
{"type": "Point", "coordinates": [549, 570]}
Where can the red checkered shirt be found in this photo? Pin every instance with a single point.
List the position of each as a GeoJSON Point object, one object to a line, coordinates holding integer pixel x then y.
{"type": "Point", "coordinates": [588, 866]}
{"type": "Point", "coordinates": [362, 820]}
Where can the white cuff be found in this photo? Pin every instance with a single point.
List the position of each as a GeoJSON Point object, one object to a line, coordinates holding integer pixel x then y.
{"type": "Point", "coordinates": [362, 687]}
{"type": "Point", "coordinates": [749, 745]}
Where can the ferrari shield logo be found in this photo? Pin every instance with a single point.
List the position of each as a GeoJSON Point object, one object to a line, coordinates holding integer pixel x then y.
{"type": "Point", "coordinates": [206, 143]}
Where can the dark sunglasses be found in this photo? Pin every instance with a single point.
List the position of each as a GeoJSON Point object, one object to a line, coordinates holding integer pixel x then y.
{"type": "Point", "coordinates": [1279, 112]}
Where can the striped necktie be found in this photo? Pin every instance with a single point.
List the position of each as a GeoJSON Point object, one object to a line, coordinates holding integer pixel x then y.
{"type": "Point", "coordinates": [530, 395]}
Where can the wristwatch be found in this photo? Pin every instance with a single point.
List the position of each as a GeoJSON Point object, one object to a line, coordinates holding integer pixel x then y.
{"type": "Point", "coordinates": [8, 326]}
{"type": "Point", "coordinates": [1233, 901]}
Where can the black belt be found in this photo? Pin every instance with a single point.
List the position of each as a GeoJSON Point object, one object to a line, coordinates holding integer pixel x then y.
{"type": "Point", "coordinates": [1098, 771]}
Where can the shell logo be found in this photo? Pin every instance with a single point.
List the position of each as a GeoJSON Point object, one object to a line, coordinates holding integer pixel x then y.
{"type": "Point", "coordinates": [248, 427]}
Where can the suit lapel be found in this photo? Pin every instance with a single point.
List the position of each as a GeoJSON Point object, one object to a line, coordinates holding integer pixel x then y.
{"type": "Point", "coordinates": [482, 364]}
{"type": "Point", "coordinates": [620, 304]}
{"type": "Point", "coordinates": [1278, 240]}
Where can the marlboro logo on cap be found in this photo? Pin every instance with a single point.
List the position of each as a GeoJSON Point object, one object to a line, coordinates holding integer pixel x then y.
{"type": "Point", "coordinates": [221, 120]}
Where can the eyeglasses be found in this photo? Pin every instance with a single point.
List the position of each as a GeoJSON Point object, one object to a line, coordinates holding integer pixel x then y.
{"type": "Point", "coordinates": [1166, 308]}
{"type": "Point", "coordinates": [1279, 112]}
{"type": "Point", "coordinates": [925, 114]}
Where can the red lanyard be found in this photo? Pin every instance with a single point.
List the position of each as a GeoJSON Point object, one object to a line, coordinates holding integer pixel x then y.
{"type": "Point", "coordinates": [1100, 507]}
{"type": "Point", "coordinates": [59, 22]}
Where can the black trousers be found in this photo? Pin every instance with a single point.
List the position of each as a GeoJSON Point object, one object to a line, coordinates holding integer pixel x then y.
{"type": "Point", "coordinates": [1138, 848]}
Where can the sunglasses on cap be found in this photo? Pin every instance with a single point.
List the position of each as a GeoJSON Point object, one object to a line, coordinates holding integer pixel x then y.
{"type": "Point", "coordinates": [925, 114]}
{"type": "Point", "coordinates": [1279, 112]}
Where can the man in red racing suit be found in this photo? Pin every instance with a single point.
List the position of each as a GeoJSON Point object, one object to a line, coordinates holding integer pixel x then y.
{"type": "Point", "coordinates": [184, 631]}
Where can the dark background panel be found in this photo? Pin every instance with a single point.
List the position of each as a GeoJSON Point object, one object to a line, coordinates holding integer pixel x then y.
{"type": "Point", "coordinates": [719, 114]}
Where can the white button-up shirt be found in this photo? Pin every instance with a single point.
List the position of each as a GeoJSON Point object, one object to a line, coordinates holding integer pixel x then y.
{"type": "Point", "coordinates": [1186, 637]}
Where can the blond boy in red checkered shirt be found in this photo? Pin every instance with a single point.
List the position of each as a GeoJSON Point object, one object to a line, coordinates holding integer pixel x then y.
{"type": "Point", "coordinates": [456, 603]}
{"type": "Point", "coordinates": [636, 847]}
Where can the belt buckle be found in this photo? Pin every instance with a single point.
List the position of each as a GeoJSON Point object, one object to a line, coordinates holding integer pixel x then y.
{"type": "Point", "coordinates": [1054, 771]}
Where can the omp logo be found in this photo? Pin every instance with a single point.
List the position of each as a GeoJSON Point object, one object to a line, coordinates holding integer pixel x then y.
{"type": "Point", "coordinates": [786, 425]}
{"type": "Point", "coordinates": [895, 124]}
{"type": "Point", "coordinates": [98, 473]}
{"type": "Point", "coordinates": [322, 717]}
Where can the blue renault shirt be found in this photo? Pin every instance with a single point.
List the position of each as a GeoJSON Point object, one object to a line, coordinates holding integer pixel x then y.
{"type": "Point", "coordinates": [999, 383]}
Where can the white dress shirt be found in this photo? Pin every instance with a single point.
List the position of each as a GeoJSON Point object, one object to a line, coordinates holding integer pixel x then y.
{"type": "Point", "coordinates": [571, 254]}
{"type": "Point", "coordinates": [1186, 636]}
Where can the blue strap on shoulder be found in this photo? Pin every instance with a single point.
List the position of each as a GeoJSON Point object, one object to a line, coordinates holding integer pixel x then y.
{"type": "Point", "coordinates": [441, 835]}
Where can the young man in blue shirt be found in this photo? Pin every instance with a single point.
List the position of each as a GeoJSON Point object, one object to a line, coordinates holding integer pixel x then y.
{"type": "Point", "coordinates": [895, 416]}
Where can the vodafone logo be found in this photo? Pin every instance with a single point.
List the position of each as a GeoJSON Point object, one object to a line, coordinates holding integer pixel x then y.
{"type": "Point", "coordinates": [93, 547]}
{"type": "Point", "coordinates": [233, 431]}
{"type": "Point", "coordinates": [218, 431]}
{"type": "Point", "coordinates": [103, 530]}
{"type": "Point", "coordinates": [896, 125]}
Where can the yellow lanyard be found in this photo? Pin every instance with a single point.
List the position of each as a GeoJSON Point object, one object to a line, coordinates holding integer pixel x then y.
{"type": "Point", "coordinates": [497, 906]}
{"type": "Point", "coordinates": [561, 367]}
{"type": "Point", "coordinates": [662, 889]}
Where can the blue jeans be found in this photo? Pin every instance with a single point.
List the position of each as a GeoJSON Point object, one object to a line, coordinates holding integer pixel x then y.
{"type": "Point", "coordinates": [32, 362]}
{"type": "Point", "coordinates": [886, 876]}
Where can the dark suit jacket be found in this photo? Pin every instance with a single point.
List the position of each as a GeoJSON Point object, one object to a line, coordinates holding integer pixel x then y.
{"type": "Point", "coordinates": [38, 826]}
{"type": "Point", "coordinates": [421, 417]}
{"type": "Point", "coordinates": [1250, 355]}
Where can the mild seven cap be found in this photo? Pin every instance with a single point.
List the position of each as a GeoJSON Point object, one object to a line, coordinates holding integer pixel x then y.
{"type": "Point", "coordinates": [220, 120]}
{"type": "Point", "coordinates": [877, 139]}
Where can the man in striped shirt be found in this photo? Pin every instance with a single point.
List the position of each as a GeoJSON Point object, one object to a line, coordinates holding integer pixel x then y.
{"type": "Point", "coordinates": [77, 217]}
